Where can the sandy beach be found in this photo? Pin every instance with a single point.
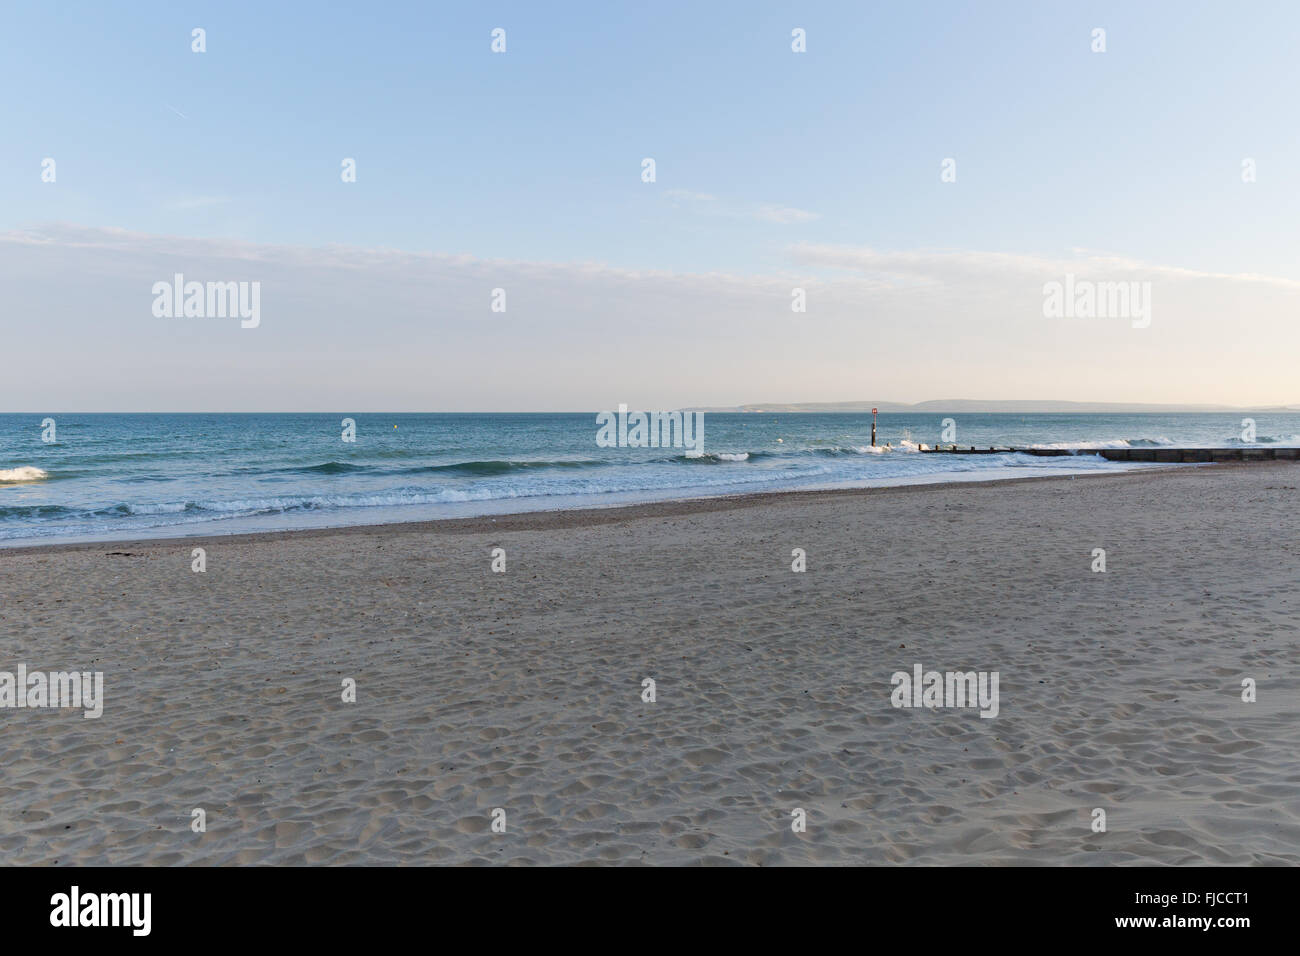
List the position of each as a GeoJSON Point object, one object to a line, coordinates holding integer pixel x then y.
{"type": "Point", "coordinates": [522, 690]}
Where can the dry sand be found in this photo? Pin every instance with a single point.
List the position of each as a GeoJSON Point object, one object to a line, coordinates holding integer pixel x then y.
{"type": "Point", "coordinates": [522, 690]}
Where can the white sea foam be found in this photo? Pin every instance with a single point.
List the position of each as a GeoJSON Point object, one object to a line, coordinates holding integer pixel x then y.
{"type": "Point", "coordinates": [1285, 440]}
{"type": "Point", "coordinates": [1105, 443]}
{"type": "Point", "coordinates": [25, 473]}
{"type": "Point", "coordinates": [904, 445]}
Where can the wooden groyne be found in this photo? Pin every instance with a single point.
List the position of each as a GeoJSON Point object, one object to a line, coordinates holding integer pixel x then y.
{"type": "Point", "coordinates": [1153, 453]}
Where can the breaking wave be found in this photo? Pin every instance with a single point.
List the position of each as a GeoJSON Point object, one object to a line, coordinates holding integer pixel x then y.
{"type": "Point", "coordinates": [10, 476]}
{"type": "Point", "coordinates": [1106, 443]}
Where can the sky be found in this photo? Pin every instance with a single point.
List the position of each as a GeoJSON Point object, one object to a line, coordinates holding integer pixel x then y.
{"type": "Point", "coordinates": [823, 171]}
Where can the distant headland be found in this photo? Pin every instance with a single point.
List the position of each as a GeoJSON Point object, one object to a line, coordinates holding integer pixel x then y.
{"type": "Point", "coordinates": [994, 407]}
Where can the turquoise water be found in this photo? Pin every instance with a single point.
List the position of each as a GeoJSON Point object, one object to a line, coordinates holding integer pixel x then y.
{"type": "Point", "coordinates": [113, 476]}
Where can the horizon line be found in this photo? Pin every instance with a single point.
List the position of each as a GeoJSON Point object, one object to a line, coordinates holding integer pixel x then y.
{"type": "Point", "coordinates": [748, 408]}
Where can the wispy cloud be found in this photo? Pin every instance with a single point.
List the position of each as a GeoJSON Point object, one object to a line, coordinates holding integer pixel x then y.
{"type": "Point", "coordinates": [967, 267]}
{"type": "Point", "coordinates": [784, 214]}
{"type": "Point", "coordinates": [393, 329]}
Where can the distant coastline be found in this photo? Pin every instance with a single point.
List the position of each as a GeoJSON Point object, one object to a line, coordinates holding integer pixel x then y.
{"type": "Point", "coordinates": [977, 406]}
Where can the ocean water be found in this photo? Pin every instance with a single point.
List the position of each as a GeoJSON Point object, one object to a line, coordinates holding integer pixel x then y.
{"type": "Point", "coordinates": [114, 476]}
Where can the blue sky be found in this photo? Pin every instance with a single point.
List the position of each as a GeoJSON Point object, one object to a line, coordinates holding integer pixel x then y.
{"type": "Point", "coordinates": [535, 155]}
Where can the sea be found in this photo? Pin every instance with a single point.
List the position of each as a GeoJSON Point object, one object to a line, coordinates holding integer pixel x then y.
{"type": "Point", "coordinates": [107, 476]}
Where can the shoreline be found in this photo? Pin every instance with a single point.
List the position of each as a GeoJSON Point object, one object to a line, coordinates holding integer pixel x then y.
{"type": "Point", "coordinates": [550, 518]}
